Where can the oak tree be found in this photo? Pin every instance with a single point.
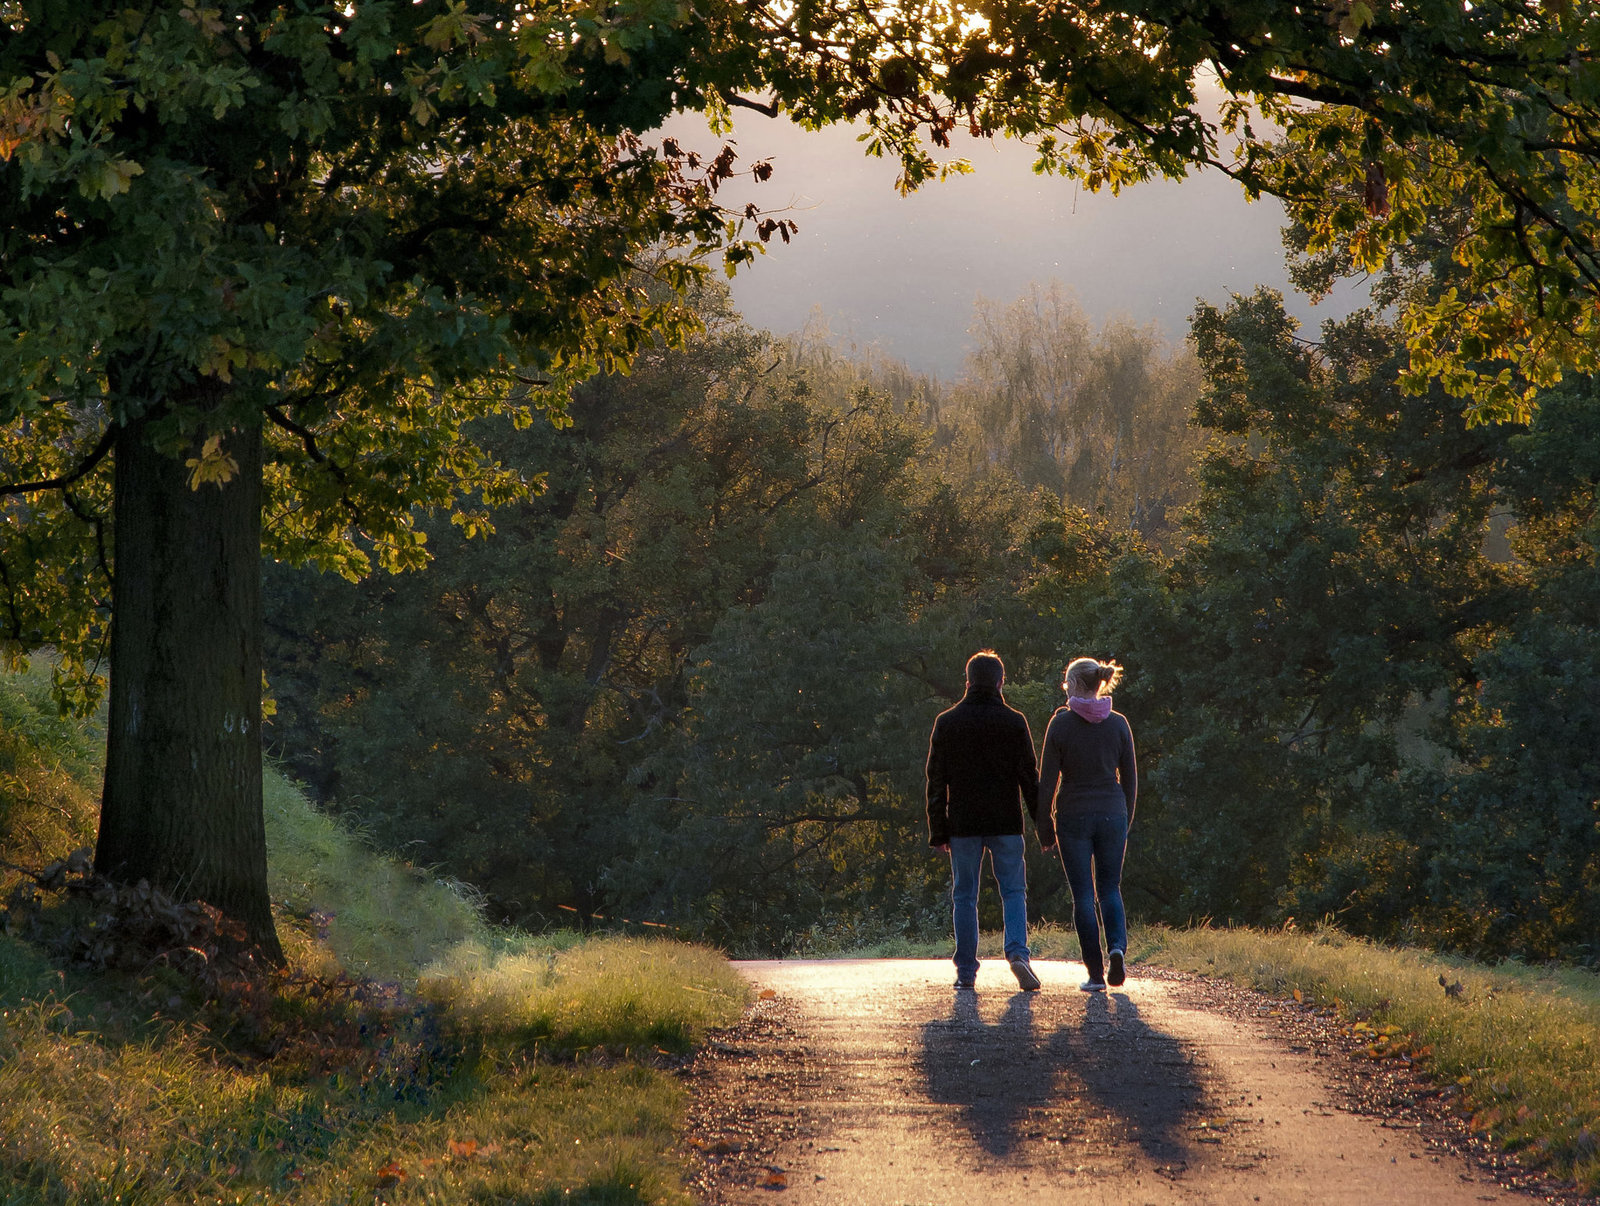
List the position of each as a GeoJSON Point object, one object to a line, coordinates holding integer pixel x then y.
{"type": "Point", "coordinates": [274, 260]}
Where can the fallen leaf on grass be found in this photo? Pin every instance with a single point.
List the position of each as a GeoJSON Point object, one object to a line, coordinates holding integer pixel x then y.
{"type": "Point", "coordinates": [390, 1174]}
{"type": "Point", "coordinates": [463, 1148]}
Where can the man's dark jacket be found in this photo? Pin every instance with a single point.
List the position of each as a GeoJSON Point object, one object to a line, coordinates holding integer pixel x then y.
{"type": "Point", "coordinates": [981, 769]}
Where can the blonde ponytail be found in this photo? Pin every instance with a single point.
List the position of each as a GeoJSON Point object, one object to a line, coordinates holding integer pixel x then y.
{"type": "Point", "coordinates": [1089, 678]}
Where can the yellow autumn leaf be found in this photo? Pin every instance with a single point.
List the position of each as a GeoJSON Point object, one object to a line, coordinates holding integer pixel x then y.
{"type": "Point", "coordinates": [212, 465]}
{"type": "Point", "coordinates": [108, 179]}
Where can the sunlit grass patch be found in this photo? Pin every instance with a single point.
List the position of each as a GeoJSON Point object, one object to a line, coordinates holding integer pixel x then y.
{"type": "Point", "coordinates": [48, 796]}
{"type": "Point", "coordinates": [628, 993]}
{"type": "Point", "coordinates": [112, 1108]}
{"type": "Point", "coordinates": [1522, 1044]}
{"type": "Point", "coordinates": [379, 917]}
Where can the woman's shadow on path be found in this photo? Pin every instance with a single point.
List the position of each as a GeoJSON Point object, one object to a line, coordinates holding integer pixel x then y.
{"type": "Point", "coordinates": [1065, 1071]}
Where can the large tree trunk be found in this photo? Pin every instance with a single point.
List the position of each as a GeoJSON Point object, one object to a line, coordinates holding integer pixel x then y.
{"type": "Point", "coordinates": [182, 804]}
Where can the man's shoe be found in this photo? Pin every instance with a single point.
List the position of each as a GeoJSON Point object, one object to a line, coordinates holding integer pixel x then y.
{"type": "Point", "coordinates": [1026, 980]}
{"type": "Point", "coordinates": [965, 984]}
{"type": "Point", "coordinates": [1116, 974]}
{"type": "Point", "coordinates": [1092, 986]}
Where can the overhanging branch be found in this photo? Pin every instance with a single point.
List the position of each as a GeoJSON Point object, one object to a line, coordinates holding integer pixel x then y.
{"type": "Point", "coordinates": [85, 467]}
{"type": "Point", "coordinates": [768, 108]}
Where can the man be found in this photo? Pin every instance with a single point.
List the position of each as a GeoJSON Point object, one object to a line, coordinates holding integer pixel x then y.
{"type": "Point", "coordinates": [980, 770]}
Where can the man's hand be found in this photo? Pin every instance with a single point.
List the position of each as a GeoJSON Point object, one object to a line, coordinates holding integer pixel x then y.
{"type": "Point", "coordinates": [945, 846]}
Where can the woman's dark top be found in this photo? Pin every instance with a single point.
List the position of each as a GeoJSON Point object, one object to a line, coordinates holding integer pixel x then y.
{"type": "Point", "coordinates": [981, 771]}
{"type": "Point", "coordinates": [1087, 767]}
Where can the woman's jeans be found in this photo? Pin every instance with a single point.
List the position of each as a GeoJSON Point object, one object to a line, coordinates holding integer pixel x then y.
{"type": "Point", "coordinates": [966, 869]}
{"type": "Point", "coordinates": [1092, 846]}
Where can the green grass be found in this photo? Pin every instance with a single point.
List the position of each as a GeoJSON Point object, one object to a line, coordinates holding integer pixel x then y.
{"type": "Point", "coordinates": [490, 1067]}
{"type": "Point", "coordinates": [48, 799]}
{"type": "Point", "coordinates": [639, 994]}
{"type": "Point", "coordinates": [378, 917]}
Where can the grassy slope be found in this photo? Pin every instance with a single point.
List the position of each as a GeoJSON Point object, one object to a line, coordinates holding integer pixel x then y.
{"type": "Point", "coordinates": [499, 1072]}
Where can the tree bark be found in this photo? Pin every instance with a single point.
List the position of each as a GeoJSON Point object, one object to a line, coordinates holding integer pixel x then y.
{"type": "Point", "coordinates": [182, 804]}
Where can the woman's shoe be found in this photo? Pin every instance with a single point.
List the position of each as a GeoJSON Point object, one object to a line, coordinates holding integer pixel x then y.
{"type": "Point", "coordinates": [1092, 986]}
{"type": "Point", "coordinates": [1116, 974]}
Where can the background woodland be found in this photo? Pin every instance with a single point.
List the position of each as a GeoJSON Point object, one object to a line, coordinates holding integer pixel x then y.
{"type": "Point", "coordinates": [689, 682]}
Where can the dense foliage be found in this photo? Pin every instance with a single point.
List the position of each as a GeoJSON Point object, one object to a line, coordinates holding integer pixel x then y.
{"type": "Point", "coordinates": [690, 680]}
{"type": "Point", "coordinates": [691, 683]}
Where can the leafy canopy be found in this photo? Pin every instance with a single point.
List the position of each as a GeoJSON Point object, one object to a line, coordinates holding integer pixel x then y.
{"type": "Point", "coordinates": [366, 226]}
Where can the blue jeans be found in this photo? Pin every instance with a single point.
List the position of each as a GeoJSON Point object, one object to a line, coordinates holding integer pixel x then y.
{"type": "Point", "coordinates": [966, 869]}
{"type": "Point", "coordinates": [1092, 846]}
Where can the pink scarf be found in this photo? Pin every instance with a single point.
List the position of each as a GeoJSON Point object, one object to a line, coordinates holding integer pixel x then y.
{"type": "Point", "coordinates": [1092, 710]}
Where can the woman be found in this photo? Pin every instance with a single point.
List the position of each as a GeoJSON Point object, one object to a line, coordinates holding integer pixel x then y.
{"type": "Point", "coordinates": [1088, 781]}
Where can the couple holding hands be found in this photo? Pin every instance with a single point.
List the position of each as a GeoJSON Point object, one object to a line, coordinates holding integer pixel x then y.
{"type": "Point", "coordinates": [1080, 793]}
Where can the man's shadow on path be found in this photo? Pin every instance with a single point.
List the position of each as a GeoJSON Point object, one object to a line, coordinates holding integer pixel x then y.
{"type": "Point", "coordinates": [1140, 1079]}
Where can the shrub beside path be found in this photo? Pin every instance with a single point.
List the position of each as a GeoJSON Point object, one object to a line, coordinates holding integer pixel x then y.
{"type": "Point", "coordinates": [873, 1081]}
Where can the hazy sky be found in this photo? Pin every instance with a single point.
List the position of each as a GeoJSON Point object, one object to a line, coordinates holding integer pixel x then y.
{"type": "Point", "coordinates": [903, 272]}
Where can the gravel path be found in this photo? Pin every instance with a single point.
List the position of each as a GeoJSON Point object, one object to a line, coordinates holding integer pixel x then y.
{"type": "Point", "coordinates": [874, 1082]}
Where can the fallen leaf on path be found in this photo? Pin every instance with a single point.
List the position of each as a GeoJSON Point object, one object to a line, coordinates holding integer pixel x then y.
{"type": "Point", "coordinates": [766, 994]}
{"type": "Point", "coordinates": [774, 1178]}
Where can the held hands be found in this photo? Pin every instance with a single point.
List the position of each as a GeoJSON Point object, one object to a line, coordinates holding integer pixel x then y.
{"type": "Point", "coordinates": [944, 846]}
